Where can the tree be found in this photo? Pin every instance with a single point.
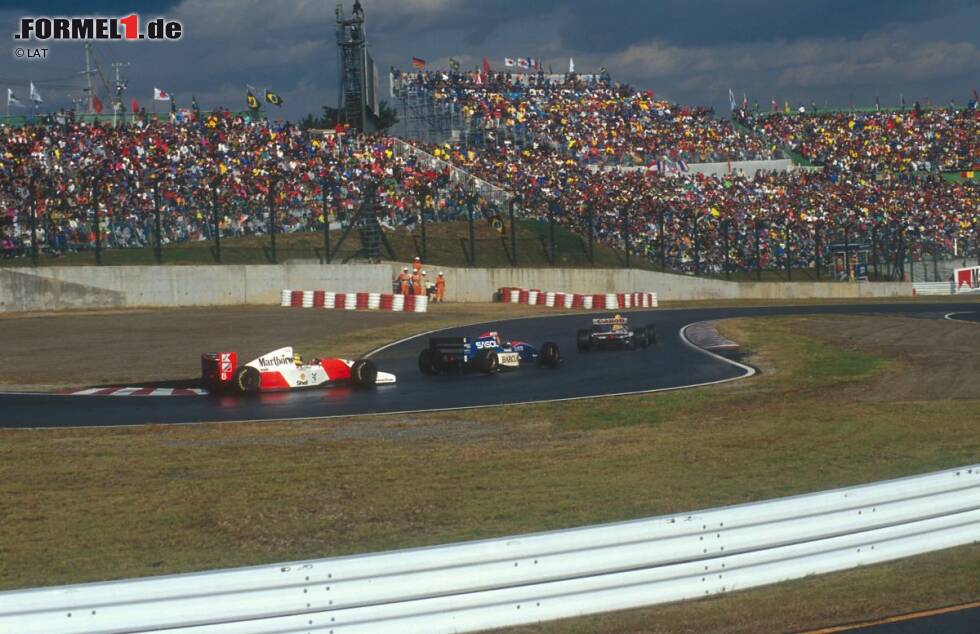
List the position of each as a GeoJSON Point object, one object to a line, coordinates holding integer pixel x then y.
{"type": "Point", "coordinates": [387, 116]}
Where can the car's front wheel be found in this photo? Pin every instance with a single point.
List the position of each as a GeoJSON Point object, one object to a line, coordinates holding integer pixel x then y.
{"type": "Point", "coordinates": [364, 373]}
{"type": "Point", "coordinates": [427, 362]}
{"type": "Point", "coordinates": [583, 340]}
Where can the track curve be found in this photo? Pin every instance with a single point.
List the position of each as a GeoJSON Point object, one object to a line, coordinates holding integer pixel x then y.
{"type": "Point", "coordinates": [673, 364]}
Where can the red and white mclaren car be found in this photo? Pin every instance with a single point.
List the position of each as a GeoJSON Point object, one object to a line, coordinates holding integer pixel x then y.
{"type": "Point", "coordinates": [281, 370]}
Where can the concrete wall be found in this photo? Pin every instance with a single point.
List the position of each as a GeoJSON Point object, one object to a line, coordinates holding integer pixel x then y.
{"type": "Point", "coordinates": [87, 287]}
{"type": "Point", "coordinates": [477, 284]}
{"type": "Point", "coordinates": [91, 287]}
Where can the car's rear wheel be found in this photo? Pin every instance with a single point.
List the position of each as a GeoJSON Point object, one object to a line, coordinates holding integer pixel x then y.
{"type": "Point", "coordinates": [427, 362]}
{"type": "Point", "coordinates": [487, 361]}
{"type": "Point", "coordinates": [364, 372]}
{"type": "Point", "coordinates": [640, 337]}
{"type": "Point", "coordinates": [247, 380]}
{"type": "Point", "coordinates": [651, 335]}
{"type": "Point", "coordinates": [550, 355]}
{"type": "Point", "coordinates": [583, 340]}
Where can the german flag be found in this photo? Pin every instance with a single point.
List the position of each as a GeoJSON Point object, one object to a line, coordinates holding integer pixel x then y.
{"type": "Point", "coordinates": [252, 102]}
{"type": "Point", "coordinates": [418, 62]}
{"type": "Point", "coordinates": [273, 98]}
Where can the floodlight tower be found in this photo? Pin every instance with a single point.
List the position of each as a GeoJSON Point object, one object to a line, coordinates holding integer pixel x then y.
{"type": "Point", "coordinates": [357, 100]}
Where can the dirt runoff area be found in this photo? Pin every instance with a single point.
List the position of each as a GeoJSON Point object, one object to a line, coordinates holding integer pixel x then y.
{"type": "Point", "coordinates": [50, 351]}
{"type": "Point", "coordinates": [940, 359]}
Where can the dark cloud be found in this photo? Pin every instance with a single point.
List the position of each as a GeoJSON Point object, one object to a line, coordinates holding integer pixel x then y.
{"type": "Point", "coordinates": [691, 51]}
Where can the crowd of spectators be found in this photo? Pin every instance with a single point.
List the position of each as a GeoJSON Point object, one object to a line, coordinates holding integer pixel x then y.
{"type": "Point", "coordinates": [587, 164]}
{"type": "Point", "coordinates": [589, 118]}
{"type": "Point", "coordinates": [220, 161]}
{"type": "Point", "coordinates": [938, 139]}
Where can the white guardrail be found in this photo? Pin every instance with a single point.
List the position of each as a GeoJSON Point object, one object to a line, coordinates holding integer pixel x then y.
{"type": "Point", "coordinates": [529, 578]}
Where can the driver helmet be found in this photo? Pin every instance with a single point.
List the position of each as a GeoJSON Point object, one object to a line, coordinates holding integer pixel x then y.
{"type": "Point", "coordinates": [297, 359]}
{"type": "Point", "coordinates": [617, 326]}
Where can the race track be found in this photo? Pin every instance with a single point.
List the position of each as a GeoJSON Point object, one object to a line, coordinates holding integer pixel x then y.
{"type": "Point", "coordinates": [674, 363]}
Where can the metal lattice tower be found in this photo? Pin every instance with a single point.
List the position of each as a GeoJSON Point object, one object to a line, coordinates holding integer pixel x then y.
{"type": "Point", "coordinates": [357, 105]}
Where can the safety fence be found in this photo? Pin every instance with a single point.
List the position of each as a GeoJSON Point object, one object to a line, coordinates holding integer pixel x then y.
{"type": "Point", "coordinates": [354, 301]}
{"type": "Point", "coordinates": [587, 301]}
{"type": "Point", "coordinates": [529, 578]}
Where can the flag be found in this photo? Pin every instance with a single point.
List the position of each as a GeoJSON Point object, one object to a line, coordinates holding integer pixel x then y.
{"type": "Point", "coordinates": [418, 62]}
{"type": "Point", "coordinates": [160, 95]}
{"type": "Point", "coordinates": [731, 99]}
{"type": "Point", "coordinates": [486, 67]}
{"type": "Point", "coordinates": [136, 106]}
{"type": "Point", "coordinates": [745, 101]}
{"type": "Point", "coordinates": [12, 99]}
{"type": "Point", "coordinates": [571, 65]}
{"type": "Point", "coordinates": [522, 63]}
{"type": "Point", "coordinates": [96, 104]}
{"type": "Point", "coordinates": [453, 65]}
{"type": "Point", "coordinates": [508, 62]}
{"type": "Point", "coordinates": [252, 102]}
{"type": "Point", "coordinates": [35, 95]}
{"type": "Point", "coordinates": [273, 98]}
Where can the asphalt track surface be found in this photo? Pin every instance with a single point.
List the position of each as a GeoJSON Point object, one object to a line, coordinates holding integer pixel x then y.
{"type": "Point", "coordinates": [673, 363]}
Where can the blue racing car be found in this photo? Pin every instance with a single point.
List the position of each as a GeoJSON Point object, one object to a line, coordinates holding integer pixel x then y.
{"type": "Point", "coordinates": [487, 353]}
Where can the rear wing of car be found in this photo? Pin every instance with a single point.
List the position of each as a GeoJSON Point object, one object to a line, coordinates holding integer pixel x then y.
{"type": "Point", "coordinates": [455, 346]}
{"type": "Point", "coordinates": [610, 321]}
{"type": "Point", "coordinates": [218, 369]}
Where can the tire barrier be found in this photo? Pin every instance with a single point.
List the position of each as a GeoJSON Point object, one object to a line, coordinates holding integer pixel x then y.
{"type": "Point", "coordinates": [523, 579]}
{"type": "Point", "coordinates": [585, 301]}
{"type": "Point", "coordinates": [357, 301]}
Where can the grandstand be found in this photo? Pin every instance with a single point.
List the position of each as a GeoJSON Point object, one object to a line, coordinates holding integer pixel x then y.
{"type": "Point", "coordinates": [605, 161]}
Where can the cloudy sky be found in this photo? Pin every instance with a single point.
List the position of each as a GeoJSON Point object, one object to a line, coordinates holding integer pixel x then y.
{"type": "Point", "coordinates": [691, 51]}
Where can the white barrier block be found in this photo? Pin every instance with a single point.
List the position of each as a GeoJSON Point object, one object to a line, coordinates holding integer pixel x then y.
{"type": "Point", "coordinates": [329, 300]}
{"type": "Point", "coordinates": [284, 299]}
{"type": "Point", "coordinates": [421, 303]}
{"type": "Point", "coordinates": [587, 302]}
{"type": "Point", "coordinates": [549, 300]}
{"type": "Point", "coordinates": [374, 301]}
{"type": "Point", "coordinates": [612, 301]}
{"type": "Point", "coordinates": [653, 300]}
{"type": "Point", "coordinates": [398, 303]}
{"type": "Point", "coordinates": [307, 299]}
{"type": "Point", "coordinates": [350, 301]}
{"type": "Point", "coordinates": [532, 297]}
{"type": "Point", "coordinates": [515, 295]}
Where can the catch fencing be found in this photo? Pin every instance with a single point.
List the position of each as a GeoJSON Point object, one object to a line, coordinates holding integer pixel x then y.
{"type": "Point", "coordinates": [529, 578]}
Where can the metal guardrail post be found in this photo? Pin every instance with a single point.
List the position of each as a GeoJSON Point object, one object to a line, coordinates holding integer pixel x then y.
{"type": "Point", "coordinates": [158, 224]}
{"type": "Point", "coordinates": [624, 216]}
{"type": "Point", "coordinates": [590, 217]}
{"type": "Point", "coordinates": [551, 230]}
{"type": "Point", "coordinates": [818, 229]}
{"type": "Point", "coordinates": [272, 220]}
{"type": "Point", "coordinates": [325, 210]}
{"type": "Point", "coordinates": [727, 229]}
{"type": "Point", "coordinates": [758, 253]}
{"type": "Point", "coordinates": [513, 233]}
{"type": "Point", "coordinates": [33, 191]}
{"type": "Point", "coordinates": [697, 246]}
{"type": "Point", "coordinates": [789, 252]}
{"type": "Point", "coordinates": [663, 239]}
{"type": "Point", "coordinates": [98, 228]}
{"type": "Point", "coordinates": [469, 215]}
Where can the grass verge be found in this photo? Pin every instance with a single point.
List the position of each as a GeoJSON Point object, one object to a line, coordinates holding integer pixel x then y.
{"type": "Point", "coordinates": [83, 505]}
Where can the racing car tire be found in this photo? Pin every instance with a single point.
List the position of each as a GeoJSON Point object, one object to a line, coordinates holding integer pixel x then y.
{"type": "Point", "coordinates": [651, 335]}
{"type": "Point", "coordinates": [640, 338]}
{"type": "Point", "coordinates": [487, 361]}
{"type": "Point", "coordinates": [428, 362]}
{"type": "Point", "coordinates": [364, 373]}
{"type": "Point", "coordinates": [583, 340]}
{"type": "Point", "coordinates": [247, 380]}
{"type": "Point", "coordinates": [550, 355]}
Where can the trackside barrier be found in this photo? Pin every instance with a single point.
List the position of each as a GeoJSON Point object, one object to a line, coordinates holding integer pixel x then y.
{"type": "Point", "coordinates": [354, 301]}
{"type": "Point", "coordinates": [588, 301]}
{"type": "Point", "coordinates": [528, 578]}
